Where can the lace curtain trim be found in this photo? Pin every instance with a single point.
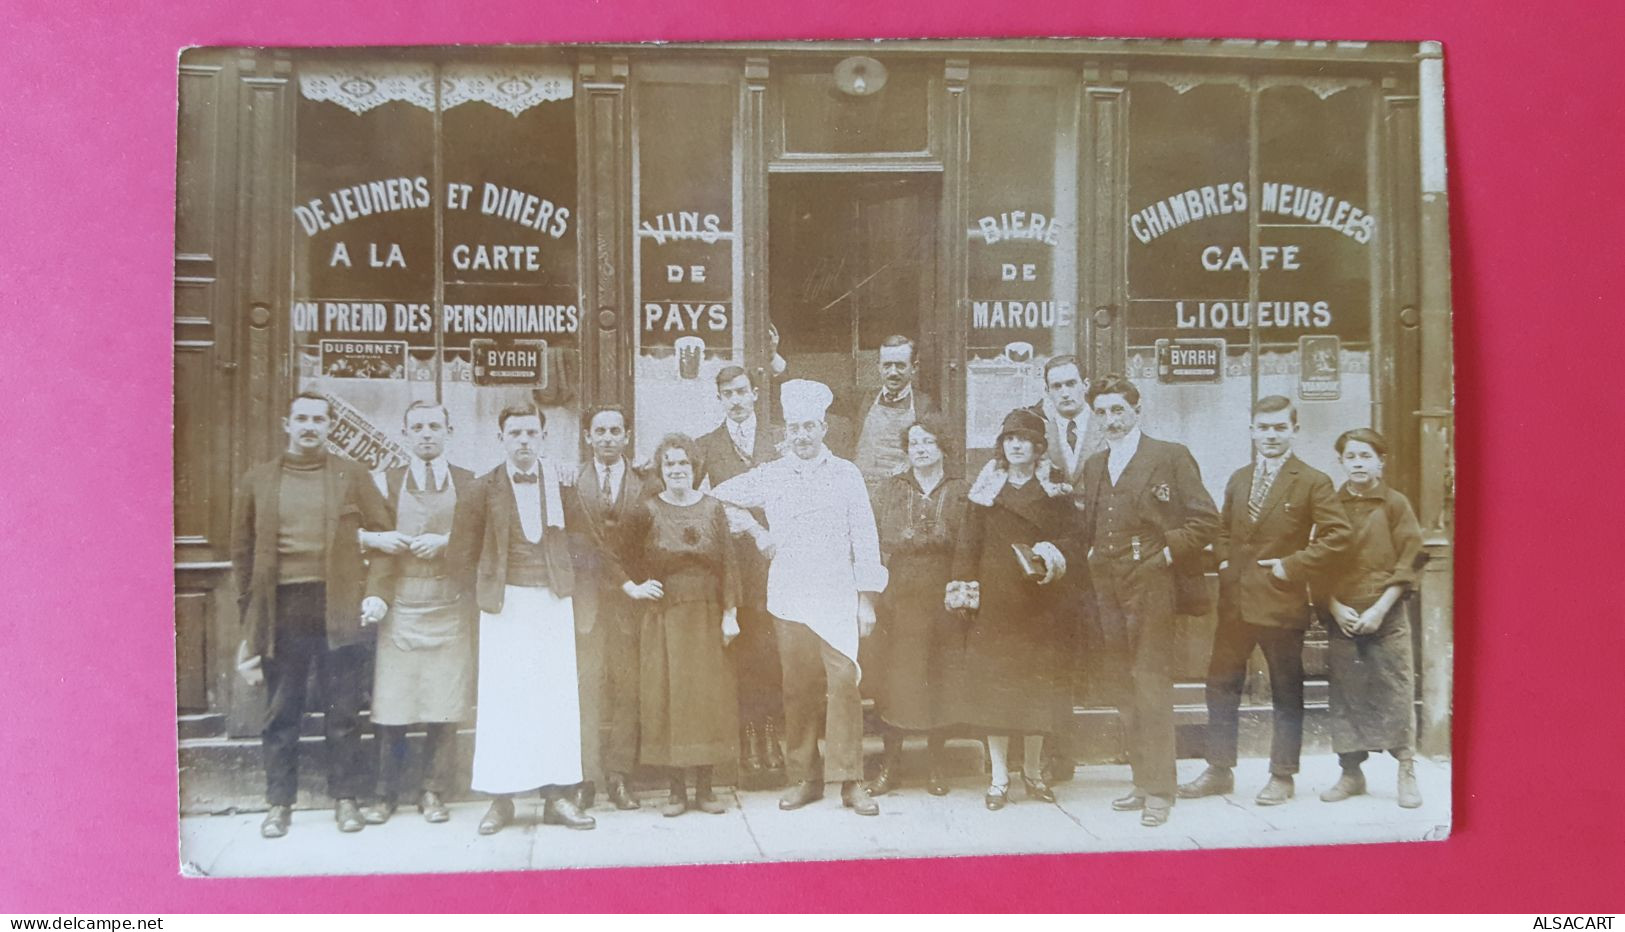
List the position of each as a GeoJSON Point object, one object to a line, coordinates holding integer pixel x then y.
{"type": "Point", "coordinates": [360, 87]}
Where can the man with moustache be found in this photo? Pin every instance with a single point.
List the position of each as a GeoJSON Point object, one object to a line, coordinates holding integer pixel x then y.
{"type": "Point", "coordinates": [424, 670]}
{"type": "Point", "coordinates": [1282, 524]}
{"type": "Point", "coordinates": [520, 537]}
{"type": "Point", "coordinates": [609, 490]}
{"type": "Point", "coordinates": [296, 557]}
{"type": "Point", "coordinates": [740, 443]}
{"type": "Point", "coordinates": [824, 574]}
{"type": "Point", "coordinates": [883, 418]}
{"type": "Point", "coordinates": [1146, 520]}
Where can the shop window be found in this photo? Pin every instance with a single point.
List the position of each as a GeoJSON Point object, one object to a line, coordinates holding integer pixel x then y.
{"type": "Point", "coordinates": [685, 255]}
{"type": "Point", "coordinates": [1201, 297]}
{"type": "Point", "coordinates": [435, 249]}
{"type": "Point", "coordinates": [1022, 246]}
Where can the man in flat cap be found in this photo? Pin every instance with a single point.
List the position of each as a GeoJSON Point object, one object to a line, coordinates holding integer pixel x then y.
{"type": "Point", "coordinates": [824, 574]}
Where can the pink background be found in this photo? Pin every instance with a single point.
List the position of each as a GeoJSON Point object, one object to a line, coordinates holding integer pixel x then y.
{"type": "Point", "coordinates": [87, 751]}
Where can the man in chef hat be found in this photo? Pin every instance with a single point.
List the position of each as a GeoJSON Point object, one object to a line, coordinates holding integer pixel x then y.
{"type": "Point", "coordinates": [824, 574]}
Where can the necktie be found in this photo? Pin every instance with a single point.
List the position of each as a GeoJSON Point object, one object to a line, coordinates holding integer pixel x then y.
{"type": "Point", "coordinates": [606, 491]}
{"type": "Point", "coordinates": [1262, 480]}
{"type": "Point", "coordinates": [1072, 435]}
{"type": "Point", "coordinates": [524, 478]}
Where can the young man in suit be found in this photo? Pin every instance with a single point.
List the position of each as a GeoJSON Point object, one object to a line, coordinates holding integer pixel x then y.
{"type": "Point", "coordinates": [1282, 523]}
{"type": "Point", "coordinates": [1146, 520]}
{"type": "Point", "coordinates": [609, 489]}
{"type": "Point", "coordinates": [296, 555]}
{"type": "Point", "coordinates": [882, 418]}
{"type": "Point", "coordinates": [1072, 432]}
{"type": "Point", "coordinates": [740, 443]}
{"type": "Point", "coordinates": [424, 670]}
{"type": "Point", "coordinates": [520, 537]}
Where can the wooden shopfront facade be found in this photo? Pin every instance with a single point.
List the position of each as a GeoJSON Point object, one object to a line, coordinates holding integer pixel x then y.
{"type": "Point", "coordinates": [578, 225]}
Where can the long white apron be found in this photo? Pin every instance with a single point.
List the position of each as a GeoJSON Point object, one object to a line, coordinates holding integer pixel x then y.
{"type": "Point", "coordinates": [527, 724]}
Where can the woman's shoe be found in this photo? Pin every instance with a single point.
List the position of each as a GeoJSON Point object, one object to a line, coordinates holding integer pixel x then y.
{"type": "Point", "coordinates": [677, 804]}
{"type": "Point", "coordinates": [1037, 789]}
{"type": "Point", "coordinates": [997, 797]}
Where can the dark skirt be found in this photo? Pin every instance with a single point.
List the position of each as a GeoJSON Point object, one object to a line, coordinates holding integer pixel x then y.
{"type": "Point", "coordinates": [911, 660]}
{"type": "Point", "coordinates": [687, 706]}
{"type": "Point", "coordinates": [1014, 675]}
{"type": "Point", "coordinates": [1373, 686]}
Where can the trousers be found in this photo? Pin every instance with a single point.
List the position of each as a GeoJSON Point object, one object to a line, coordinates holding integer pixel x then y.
{"type": "Point", "coordinates": [1136, 602]}
{"type": "Point", "coordinates": [1233, 643]}
{"type": "Point", "coordinates": [610, 666]}
{"type": "Point", "coordinates": [820, 688]}
{"type": "Point", "coordinates": [301, 644]}
{"type": "Point", "coordinates": [439, 759]}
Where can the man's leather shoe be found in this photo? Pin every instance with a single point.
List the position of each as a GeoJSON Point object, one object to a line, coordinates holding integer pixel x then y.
{"type": "Point", "coordinates": [856, 800]}
{"type": "Point", "coordinates": [1410, 795]}
{"type": "Point", "coordinates": [801, 794]}
{"type": "Point", "coordinates": [707, 801]}
{"type": "Point", "coordinates": [348, 815]}
{"type": "Point", "coordinates": [882, 784]}
{"type": "Point", "coordinates": [1351, 783]}
{"type": "Point", "coordinates": [772, 754]}
{"type": "Point", "coordinates": [1133, 802]}
{"type": "Point", "coordinates": [586, 793]}
{"type": "Point", "coordinates": [432, 808]}
{"type": "Point", "coordinates": [499, 815]}
{"type": "Point", "coordinates": [935, 785]}
{"type": "Point", "coordinates": [1214, 781]}
{"type": "Point", "coordinates": [750, 751]}
{"type": "Point", "coordinates": [1156, 811]}
{"type": "Point", "coordinates": [562, 810]}
{"type": "Point", "coordinates": [378, 813]}
{"type": "Point", "coordinates": [1275, 792]}
{"type": "Point", "coordinates": [1037, 789]}
{"type": "Point", "coordinates": [619, 796]}
{"type": "Point", "coordinates": [276, 822]}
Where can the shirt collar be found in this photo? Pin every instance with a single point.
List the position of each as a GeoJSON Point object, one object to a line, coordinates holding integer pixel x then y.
{"type": "Point", "coordinates": [741, 428]}
{"type": "Point", "coordinates": [438, 465]}
{"type": "Point", "coordinates": [800, 465]}
{"type": "Point", "coordinates": [1378, 490]}
{"type": "Point", "coordinates": [903, 396]}
{"type": "Point", "coordinates": [614, 469]}
{"type": "Point", "coordinates": [535, 471]}
{"type": "Point", "coordinates": [1272, 466]}
{"type": "Point", "coordinates": [1128, 446]}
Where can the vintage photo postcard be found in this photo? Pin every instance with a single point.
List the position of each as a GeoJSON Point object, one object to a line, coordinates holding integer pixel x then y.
{"type": "Point", "coordinates": [654, 454]}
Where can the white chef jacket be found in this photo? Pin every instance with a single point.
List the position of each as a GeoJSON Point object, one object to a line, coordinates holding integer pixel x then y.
{"type": "Point", "coordinates": [826, 548]}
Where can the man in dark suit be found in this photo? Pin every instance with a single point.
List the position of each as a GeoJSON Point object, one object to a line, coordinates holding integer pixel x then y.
{"type": "Point", "coordinates": [296, 556]}
{"type": "Point", "coordinates": [609, 489]}
{"type": "Point", "coordinates": [423, 674]}
{"type": "Point", "coordinates": [743, 441]}
{"type": "Point", "coordinates": [883, 418]}
{"type": "Point", "coordinates": [1146, 520]}
{"type": "Point", "coordinates": [521, 538]}
{"type": "Point", "coordinates": [1282, 523]}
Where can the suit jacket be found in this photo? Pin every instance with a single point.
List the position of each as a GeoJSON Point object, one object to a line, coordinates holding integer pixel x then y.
{"type": "Point", "coordinates": [720, 459]}
{"type": "Point", "coordinates": [1301, 523]}
{"type": "Point", "coordinates": [1166, 488]}
{"type": "Point", "coordinates": [479, 545]}
{"type": "Point", "coordinates": [1093, 441]}
{"type": "Point", "coordinates": [254, 557]}
{"type": "Point", "coordinates": [611, 532]}
{"type": "Point", "coordinates": [383, 568]}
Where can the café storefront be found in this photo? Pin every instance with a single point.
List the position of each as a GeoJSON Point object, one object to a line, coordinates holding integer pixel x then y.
{"type": "Point", "coordinates": [1218, 220]}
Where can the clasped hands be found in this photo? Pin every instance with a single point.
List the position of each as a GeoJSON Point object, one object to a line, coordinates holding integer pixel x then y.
{"type": "Point", "coordinates": [425, 546]}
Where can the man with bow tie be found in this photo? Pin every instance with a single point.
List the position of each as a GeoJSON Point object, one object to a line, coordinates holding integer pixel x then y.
{"type": "Point", "coordinates": [883, 418]}
{"type": "Point", "coordinates": [523, 543]}
{"type": "Point", "coordinates": [1282, 523]}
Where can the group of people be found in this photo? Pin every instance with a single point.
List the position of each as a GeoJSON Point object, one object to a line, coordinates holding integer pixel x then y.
{"type": "Point", "coordinates": [599, 619]}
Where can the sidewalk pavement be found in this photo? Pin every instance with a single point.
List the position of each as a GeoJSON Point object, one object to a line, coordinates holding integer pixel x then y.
{"type": "Point", "coordinates": [911, 823]}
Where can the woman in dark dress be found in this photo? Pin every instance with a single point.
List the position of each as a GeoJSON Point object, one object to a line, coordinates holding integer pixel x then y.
{"type": "Point", "coordinates": [1013, 672]}
{"type": "Point", "coordinates": [687, 710]}
{"type": "Point", "coordinates": [1373, 684]}
{"type": "Point", "coordinates": [911, 656]}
